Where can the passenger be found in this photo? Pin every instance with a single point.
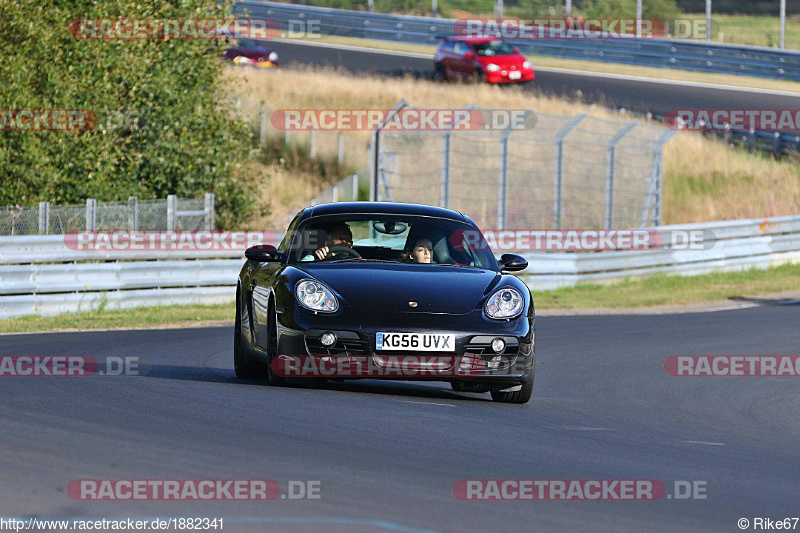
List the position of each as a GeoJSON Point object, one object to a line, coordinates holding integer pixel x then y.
{"type": "Point", "coordinates": [421, 252]}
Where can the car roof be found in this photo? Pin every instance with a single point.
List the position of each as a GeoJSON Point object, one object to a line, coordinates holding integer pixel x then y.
{"type": "Point", "coordinates": [468, 39]}
{"type": "Point", "coordinates": [381, 208]}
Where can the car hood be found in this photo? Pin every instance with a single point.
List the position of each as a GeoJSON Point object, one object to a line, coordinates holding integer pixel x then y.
{"type": "Point", "coordinates": [384, 287]}
{"type": "Point", "coordinates": [504, 61]}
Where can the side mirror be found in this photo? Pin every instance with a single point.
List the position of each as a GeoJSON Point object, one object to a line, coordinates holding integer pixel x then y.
{"type": "Point", "coordinates": [469, 55]}
{"type": "Point", "coordinates": [263, 253]}
{"type": "Point", "coordinates": [512, 263]}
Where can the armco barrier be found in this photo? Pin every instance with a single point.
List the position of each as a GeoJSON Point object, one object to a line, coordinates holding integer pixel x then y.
{"type": "Point", "coordinates": [39, 275]}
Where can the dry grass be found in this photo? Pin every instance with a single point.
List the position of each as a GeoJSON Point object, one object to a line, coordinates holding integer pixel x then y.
{"type": "Point", "coordinates": [703, 178]}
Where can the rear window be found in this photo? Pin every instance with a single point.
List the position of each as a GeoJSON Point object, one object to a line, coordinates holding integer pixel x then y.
{"type": "Point", "coordinates": [447, 46]}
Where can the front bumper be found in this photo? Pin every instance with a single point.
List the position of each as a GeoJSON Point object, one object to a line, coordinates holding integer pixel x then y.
{"type": "Point", "coordinates": [354, 355]}
{"type": "Point", "coordinates": [505, 76]}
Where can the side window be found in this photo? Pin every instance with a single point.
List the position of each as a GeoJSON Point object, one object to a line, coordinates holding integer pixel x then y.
{"type": "Point", "coordinates": [448, 46]}
{"type": "Point", "coordinates": [462, 48]}
{"type": "Point", "coordinates": [284, 245]}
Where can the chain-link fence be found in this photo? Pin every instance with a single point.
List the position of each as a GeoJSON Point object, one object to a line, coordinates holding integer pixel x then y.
{"type": "Point", "coordinates": [563, 172]}
{"type": "Point", "coordinates": [171, 213]}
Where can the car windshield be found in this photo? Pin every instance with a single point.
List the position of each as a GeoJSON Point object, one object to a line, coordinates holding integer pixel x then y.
{"type": "Point", "coordinates": [494, 48]}
{"type": "Point", "coordinates": [391, 239]}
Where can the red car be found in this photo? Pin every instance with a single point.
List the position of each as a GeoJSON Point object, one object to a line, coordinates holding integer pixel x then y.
{"type": "Point", "coordinates": [481, 59]}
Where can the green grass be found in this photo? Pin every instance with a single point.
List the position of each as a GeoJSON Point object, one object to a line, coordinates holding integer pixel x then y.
{"type": "Point", "coordinates": [632, 293]}
{"type": "Point", "coordinates": [141, 317]}
{"type": "Point", "coordinates": [752, 29]}
{"type": "Point", "coordinates": [661, 289]}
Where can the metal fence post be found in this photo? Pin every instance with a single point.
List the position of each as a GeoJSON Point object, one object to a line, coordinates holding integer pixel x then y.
{"type": "Point", "coordinates": [263, 132]}
{"type": "Point", "coordinates": [133, 213]}
{"type": "Point", "coordinates": [286, 138]}
{"type": "Point", "coordinates": [444, 195]}
{"type": "Point", "coordinates": [340, 157]}
{"type": "Point", "coordinates": [171, 213]}
{"type": "Point", "coordinates": [610, 164]}
{"type": "Point", "coordinates": [91, 214]}
{"type": "Point", "coordinates": [654, 188]}
{"type": "Point", "coordinates": [313, 148]}
{"type": "Point", "coordinates": [208, 218]}
{"type": "Point", "coordinates": [44, 218]}
{"type": "Point", "coordinates": [373, 165]}
{"type": "Point", "coordinates": [502, 183]}
{"type": "Point", "coordinates": [336, 193]}
{"type": "Point", "coordinates": [558, 185]}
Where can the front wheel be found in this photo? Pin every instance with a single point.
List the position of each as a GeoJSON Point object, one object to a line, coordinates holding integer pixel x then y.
{"type": "Point", "coordinates": [523, 395]}
{"type": "Point", "coordinates": [272, 347]}
{"type": "Point", "coordinates": [439, 72]}
{"type": "Point", "coordinates": [242, 364]}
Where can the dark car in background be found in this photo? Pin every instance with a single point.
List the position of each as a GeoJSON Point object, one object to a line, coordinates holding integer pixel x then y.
{"type": "Point", "coordinates": [460, 318]}
{"type": "Point", "coordinates": [482, 59]}
{"type": "Point", "coordinates": [248, 53]}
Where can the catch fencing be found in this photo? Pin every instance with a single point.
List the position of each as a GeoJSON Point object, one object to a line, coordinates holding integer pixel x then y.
{"type": "Point", "coordinates": [554, 172]}
{"type": "Point", "coordinates": [173, 213]}
{"type": "Point", "coordinates": [42, 275]}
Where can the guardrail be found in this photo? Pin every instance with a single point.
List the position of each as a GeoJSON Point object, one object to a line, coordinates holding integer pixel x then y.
{"type": "Point", "coordinates": [40, 275]}
{"type": "Point", "coordinates": [671, 53]}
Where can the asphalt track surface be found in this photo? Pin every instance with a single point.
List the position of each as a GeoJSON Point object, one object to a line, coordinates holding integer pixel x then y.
{"type": "Point", "coordinates": [388, 454]}
{"type": "Point", "coordinates": [636, 95]}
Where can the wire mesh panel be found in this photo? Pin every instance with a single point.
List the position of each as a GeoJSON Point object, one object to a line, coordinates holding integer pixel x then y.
{"type": "Point", "coordinates": [190, 214]}
{"type": "Point", "coordinates": [16, 220]}
{"type": "Point", "coordinates": [112, 215]}
{"type": "Point", "coordinates": [551, 172]}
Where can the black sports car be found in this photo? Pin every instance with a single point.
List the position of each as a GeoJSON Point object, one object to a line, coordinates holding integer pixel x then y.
{"type": "Point", "coordinates": [385, 290]}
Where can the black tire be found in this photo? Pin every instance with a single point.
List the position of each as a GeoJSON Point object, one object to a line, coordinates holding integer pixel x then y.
{"type": "Point", "coordinates": [477, 76]}
{"type": "Point", "coordinates": [523, 395]}
{"type": "Point", "coordinates": [460, 386]}
{"type": "Point", "coordinates": [272, 347]}
{"type": "Point", "coordinates": [439, 72]}
{"type": "Point", "coordinates": [242, 364]}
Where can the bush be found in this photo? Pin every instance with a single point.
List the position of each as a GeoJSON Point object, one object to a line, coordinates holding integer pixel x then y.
{"type": "Point", "coordinates": [165, 126]}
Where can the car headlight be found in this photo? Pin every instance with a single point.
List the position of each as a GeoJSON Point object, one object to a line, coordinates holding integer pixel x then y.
{"type": "Point", "coordinates": [526, 64]}
{"type": "Point", "coordinates": [273, 56]}
{"type": "Point", "coordinates": [504, 303]}
{"type": "Point", "coordinates": [315, 296]}
{"type": "Point", "coordinates": [491, 67]}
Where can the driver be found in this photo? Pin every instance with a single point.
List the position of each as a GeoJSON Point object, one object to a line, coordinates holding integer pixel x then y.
{"type": "Point", "coordinates": [338, 235]}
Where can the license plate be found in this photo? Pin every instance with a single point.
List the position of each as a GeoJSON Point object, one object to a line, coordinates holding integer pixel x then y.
{"type": "Point", "coordinates": [514, 75]}
{"type": "Point", "coordinates": [417, 342]}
